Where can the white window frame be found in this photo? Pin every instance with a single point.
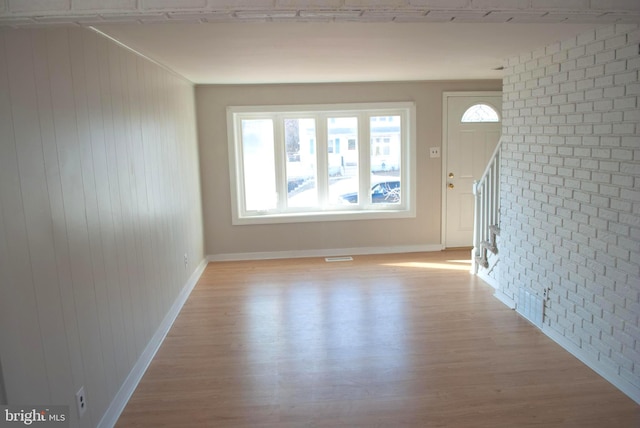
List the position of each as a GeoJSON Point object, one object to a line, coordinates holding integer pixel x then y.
{"type": "Point", "coordinates": [364, 210]}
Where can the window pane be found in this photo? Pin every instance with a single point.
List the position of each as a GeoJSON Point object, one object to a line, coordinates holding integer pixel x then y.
{"type": "Point", "coordinates": [342, 159]}
{"type": "Point", "coordinates": [299, 137]}
{"type": "Point", "coordinates": [480, 113]}
{"type": "Point", "coordinates": [259, 165]}
{"type": "Point", "coordinates": [386, 154]}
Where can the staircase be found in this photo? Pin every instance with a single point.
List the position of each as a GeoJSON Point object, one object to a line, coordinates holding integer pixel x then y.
{"type": "Point", "coordinates": [486, 229]}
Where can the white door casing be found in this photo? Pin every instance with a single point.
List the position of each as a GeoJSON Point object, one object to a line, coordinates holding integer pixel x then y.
{"type": "Point", "coordinates": [466, 149]}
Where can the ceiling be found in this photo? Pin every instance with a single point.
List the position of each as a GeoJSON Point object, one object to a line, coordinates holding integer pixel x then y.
{"type": "Point", "coordinates": [300, 52]}
{"type": "Point", "coordinates": [300, 41]}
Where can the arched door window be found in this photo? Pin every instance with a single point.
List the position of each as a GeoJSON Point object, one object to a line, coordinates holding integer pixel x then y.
{"type": "Point", "coordinates": [480, 113]}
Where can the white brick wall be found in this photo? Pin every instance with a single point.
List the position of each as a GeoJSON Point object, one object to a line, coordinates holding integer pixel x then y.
{"type": "Point", "coordinates": [88, 12]}
{"type": "Point", "coordinates": [570, 193]}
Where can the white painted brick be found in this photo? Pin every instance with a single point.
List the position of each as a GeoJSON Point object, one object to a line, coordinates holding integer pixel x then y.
{"type": "Point", "coordinates": [595, 47]}
{"type": "Point", "coordinates": [586, 61]}
{"type": "Point", "coordinates": [610, 191]}
{"type": "Point", "coordinates": [603, 105]}
{"type": "Point", "coordinates": [553, 68]}
{"type": "Point", "coordinates": [441, 4]}
{"type": "Point", "coordinates": [612, 116]}
{"type": "Point", "coordinates": [568, 65]}
{"type": "Point", "coordinates": [624, 313]}
{"type": "Point", "coordinates": [595, 71]}
{"type": "Point", "coordinates": [621, 103]}
{"type": "Point", "coordinates": [589, 132]}
{"type": "Point", "coordinates": [568, 44]}
{"type": "Point", "coordinates": [610, 141]}
{"type": "Point", "coordinates": [603, 81]}
{"type": "Point", "coordinates": [577, 97]}
{"type": "Point", "coordinates": [624, 128]}
{"type": "Point", "coordinates": [308, 4]}
{"type": "Point", "coordinates": [633, 331]}
{"type": "Point", "coordinates": [621, 360]}
{"type": "Point", "coordinates": [627, 52]}
{"type": "Point", "coordinates": [585, 129]}
{"type": "Point", "coordinates": [576, 52]}
{"type": "Point", "coordinates": [39, 5]}
{"type": "Point", "coordinates": [632, 116]}
{"type": "Point", "coordinates": [620, 205]}
{"type": "Point", "coordinates": [615, 67]}
{"type": "Point", "coordinates": [620, 5]}
{"type": "Point", "coordinates": [605, 57]}
{"type": "Point", "coordinates": [591, 140]}
{"type": "Point", "coordinates": [560, 56]}
{"type": "Point", "coordinates": [567, 108]}
{"type": "Point", "coordinates": [633, 89]}
{"type": "Point", "coordinates": [584, 84]}
{"type": "Point", "coordinates": [375, 3]}
{"type": "Point", "coordinates": [633, 36]}
{"type": "Point", "coordinates": [118, 5]}
{"type": "Point", "coordinates": [622, 154]}
{"type": "Point", "coordinates": [220, 4]}
{"type": "Point", "coordinates": [615, 42]}
{"type": "Point", "coordinates": [575, 75]}
{"type": "Point", "coordinates": [605, 32]}
{"type": "Point", "coordinates": [593, 117]}
{"type": "Point", "coordinates": [552, 89]}
{"type": "Point", "coordinates": [629, 194]}
{"type": "Point", "coordinates": [621, 79]}
{"type": "Point", "coordinates": [629, 244]}
{"type": "Point", "coordinates": [627, 27]}
{"type": "Point", "coordinates": [632, 269]}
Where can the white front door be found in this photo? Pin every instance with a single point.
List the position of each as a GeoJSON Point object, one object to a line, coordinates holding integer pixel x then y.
{"type": "Point", "coordinates": [468, 144]}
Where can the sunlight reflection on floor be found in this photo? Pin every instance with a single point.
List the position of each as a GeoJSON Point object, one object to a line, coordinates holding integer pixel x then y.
{"type": "Point", "coordinates": [450, 265]}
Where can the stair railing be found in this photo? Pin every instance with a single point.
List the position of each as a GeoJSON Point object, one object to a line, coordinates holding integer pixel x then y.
{"type": "Point", "coordinates": [487, 212]}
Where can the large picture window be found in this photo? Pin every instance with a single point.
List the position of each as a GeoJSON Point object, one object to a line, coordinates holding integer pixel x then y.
{"type": "Point", "coordinates": [321, 162]}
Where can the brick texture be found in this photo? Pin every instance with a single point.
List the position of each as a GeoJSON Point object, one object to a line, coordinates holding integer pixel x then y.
{"type": "Point", "coordinates": [88, 12]}
{"type": "Point", "coordinates": [570, 212]}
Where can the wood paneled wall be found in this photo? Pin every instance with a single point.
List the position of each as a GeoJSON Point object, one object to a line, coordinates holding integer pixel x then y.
{"type": "Point", "coordinates": [99, 202]}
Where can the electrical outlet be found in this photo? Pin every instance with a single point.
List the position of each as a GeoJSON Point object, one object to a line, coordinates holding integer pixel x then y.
{"type": "Point", "coordinates": [81, 402]}
{"type": "Point", "coordinates": [434, 152]}
{"type": "Point", "coordinates": [186, 260]}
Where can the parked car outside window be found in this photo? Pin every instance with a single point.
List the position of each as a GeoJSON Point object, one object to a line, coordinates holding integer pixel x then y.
{"type": "Point", "coordinates": [384, 192]}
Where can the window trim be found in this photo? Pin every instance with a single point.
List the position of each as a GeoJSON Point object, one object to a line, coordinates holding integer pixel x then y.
{"type": "Point", "coordinates": [235, 114]}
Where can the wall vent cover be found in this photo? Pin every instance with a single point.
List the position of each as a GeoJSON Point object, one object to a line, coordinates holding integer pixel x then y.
{"type": "Point", "coordinates": [531, 306]}
{"type": "Point", "coordinates": [339, 259]}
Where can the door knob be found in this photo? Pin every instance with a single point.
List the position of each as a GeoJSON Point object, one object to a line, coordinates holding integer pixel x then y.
{"type": "Point", "coordinates": [451, 175]}
{"type": "Point", "coordinates": [451, 186]}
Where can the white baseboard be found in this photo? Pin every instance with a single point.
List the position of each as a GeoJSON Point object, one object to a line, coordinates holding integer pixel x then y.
{"type": "Point", "coordinates": [505, 299]}
{"type": "Point", "coordinates": [322, 253]}
{"type": "Point", "coordinates": [483, 275]}
{"type": "Point", "coordinates": [627, 388]}
{"type": "Point", "coordinates": [121, 399]}
{"type": "Point", "coordinates": [623, 385]}
{"type": "Point", "coordinates": [616, 380]}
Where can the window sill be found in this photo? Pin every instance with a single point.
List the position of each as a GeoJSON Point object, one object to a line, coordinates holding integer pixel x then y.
{"type": "Point", "coordinates": [323, 216]}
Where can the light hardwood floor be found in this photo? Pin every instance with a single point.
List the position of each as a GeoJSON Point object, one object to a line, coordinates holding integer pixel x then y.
{"type": "Point", "coordinates": [410, 340]}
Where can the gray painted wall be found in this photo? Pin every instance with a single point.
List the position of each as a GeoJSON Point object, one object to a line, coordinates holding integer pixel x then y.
{"type": "Point", "coordinates": [223, 238]}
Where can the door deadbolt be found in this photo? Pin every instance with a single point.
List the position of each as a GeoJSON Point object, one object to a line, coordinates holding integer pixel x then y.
{"type": "Point", "coordinates": [451, 175]}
